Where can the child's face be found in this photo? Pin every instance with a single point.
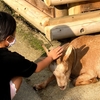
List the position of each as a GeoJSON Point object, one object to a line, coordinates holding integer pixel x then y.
{"type": "Point", "coordinates": [10, 40]}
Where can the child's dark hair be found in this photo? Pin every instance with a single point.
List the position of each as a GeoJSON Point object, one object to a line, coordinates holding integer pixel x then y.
{"type": "Point", "coordinates": [7, 25]}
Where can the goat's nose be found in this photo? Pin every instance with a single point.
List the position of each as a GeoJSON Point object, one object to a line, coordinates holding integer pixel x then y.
{"type": "Point", "coordinates": [62, 87]}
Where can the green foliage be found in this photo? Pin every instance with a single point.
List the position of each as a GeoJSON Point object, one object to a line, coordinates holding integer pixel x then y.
{"type": "Point", "coordinates": [34, 42]}
{"type": "Point", "coordinates": [28, 36]}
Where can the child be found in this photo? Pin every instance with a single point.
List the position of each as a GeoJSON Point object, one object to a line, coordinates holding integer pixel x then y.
{"type": "Point", "coordinates": [14, 66]}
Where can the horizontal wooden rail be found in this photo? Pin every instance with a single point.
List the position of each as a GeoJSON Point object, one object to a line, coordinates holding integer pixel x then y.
{"type": "Point", "coordinates": [61, 2]}
{"type": "Point", "coordinates": [72, 18]}
{"type": "Point", "coordinates": [42, 6]}
{"type": "Point", "coordinates": [73, 28]}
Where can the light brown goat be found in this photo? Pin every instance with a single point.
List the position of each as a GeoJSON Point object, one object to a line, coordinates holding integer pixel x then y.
{"type": "Point", "coordinates": [80, 62]}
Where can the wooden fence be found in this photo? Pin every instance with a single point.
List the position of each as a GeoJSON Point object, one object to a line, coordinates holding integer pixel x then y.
{"type": "Point", "coordinates": [59, 19]}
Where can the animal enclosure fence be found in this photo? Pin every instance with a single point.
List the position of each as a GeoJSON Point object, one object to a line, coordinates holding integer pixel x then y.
{"type": "Point", "coordinates": [59, 19]}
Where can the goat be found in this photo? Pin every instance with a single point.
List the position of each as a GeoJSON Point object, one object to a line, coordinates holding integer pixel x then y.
{"type": "Point", "coordinates": [80, 63]}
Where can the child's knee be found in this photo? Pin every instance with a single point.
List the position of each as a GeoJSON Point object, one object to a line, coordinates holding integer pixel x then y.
{"type": "Point", "coordinates": [15, 84]}
{"type": "Point", "coordinates": [12, 89]}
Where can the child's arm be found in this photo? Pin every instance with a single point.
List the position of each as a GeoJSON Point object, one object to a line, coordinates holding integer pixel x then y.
{"type": "Point", "coordinates": [52, 55]}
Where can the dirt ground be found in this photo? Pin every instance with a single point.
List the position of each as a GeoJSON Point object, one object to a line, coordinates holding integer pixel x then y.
{"type": "Point", "coordinates": [52, 91]}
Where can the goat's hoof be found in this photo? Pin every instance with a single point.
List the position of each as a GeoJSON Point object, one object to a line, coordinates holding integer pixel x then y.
{"type": "Point", "coordinates": [38, 87]}
{"type": "Point", "coordinates": [34, 87]}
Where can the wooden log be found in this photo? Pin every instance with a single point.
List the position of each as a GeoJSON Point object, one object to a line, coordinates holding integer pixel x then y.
{"type": "Point", "coordinates": [81, 7]}
{"type": "Point", "coordinates": [30, 13]}
{"type": "Point", "coordinates": [61, 2]}
{"type": "Point", "coordinates": [90, 6]}
{"type": "Point", "coordinates": [42, 6]}
{"type": "Point", "coordinates": [61, 10]}
{"type": "Point", "coordinates": [72, 18]}
{"type": "Point", "coordinates": [72, 29]}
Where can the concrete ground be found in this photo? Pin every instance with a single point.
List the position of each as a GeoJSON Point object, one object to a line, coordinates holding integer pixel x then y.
{"type": "Point", "coordinates": [26, 92]}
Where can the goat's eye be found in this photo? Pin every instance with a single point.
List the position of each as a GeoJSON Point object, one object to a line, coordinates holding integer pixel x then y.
{"type": "Point", "coordinates": [65, 71]}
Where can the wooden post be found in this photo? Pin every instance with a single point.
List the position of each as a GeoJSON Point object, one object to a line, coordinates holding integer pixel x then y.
{"type": "Point", "coordinates": [74, 8]}
{"type": "Point", "coordinates": [30, 13]}
{"type": "Point", "coordinates": [61, 2]}
{"type": "Point", "coordinates": [72, 29]}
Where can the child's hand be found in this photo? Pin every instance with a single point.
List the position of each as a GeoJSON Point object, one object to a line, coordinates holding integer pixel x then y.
{"type": "Point", "coordinates": [55, 53]}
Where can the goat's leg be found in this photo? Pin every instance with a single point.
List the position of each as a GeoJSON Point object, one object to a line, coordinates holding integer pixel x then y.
{"type": "Point", "coordinates": [84, 79]}
{"type": "Point", "coordinates": [44, 83]}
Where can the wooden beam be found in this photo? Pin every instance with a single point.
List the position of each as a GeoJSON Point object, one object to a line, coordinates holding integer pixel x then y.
{"type": "Point", "coordinates": [61, 2]}
{"type": "Point", "coordinates": [81, 7]}
{"type": "Point", "coordinates": [72, 29]}
{"type": "Point", "coordinates": [90, 6]}
{"type": "Point", "coordinates": [72, 18]}
{"type": "Point", "coordinates": [42, 6]}
{"type": "Point", "coordinates": [30, 13]}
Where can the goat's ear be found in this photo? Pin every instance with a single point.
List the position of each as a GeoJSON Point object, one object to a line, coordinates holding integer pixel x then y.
{"type": "Point", "coordinates": [68, 52]}
{"type": "Point", "coordinates": [58, 61]}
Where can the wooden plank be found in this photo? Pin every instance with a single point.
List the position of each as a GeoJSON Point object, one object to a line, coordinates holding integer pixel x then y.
{"type": "Point", "coordinates": [72, 29]}
{"type": "Point", "coordinates": [61, 2]}
{"type": "Point", "coordinates": [30, 13]}
{"type": "Point", "coordinates": [42, 6]}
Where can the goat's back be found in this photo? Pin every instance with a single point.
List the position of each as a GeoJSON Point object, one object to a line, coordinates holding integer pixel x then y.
{"type": "Point", "coordinates": [87, 55]}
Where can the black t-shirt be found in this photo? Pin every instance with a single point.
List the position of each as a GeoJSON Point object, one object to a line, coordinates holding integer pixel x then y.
{"type": "Point", "coordinates": [12, 64]}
